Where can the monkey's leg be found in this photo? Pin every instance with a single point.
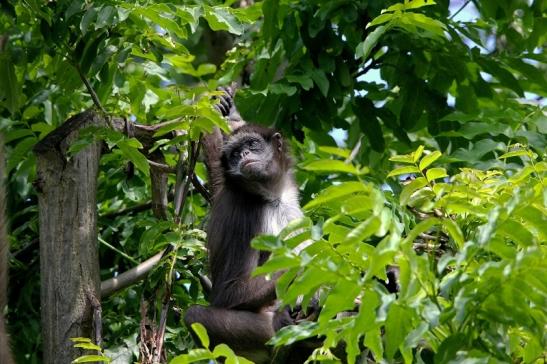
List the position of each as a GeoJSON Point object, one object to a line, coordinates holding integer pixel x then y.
{"type": "Point", "coordinates": [244, 331]}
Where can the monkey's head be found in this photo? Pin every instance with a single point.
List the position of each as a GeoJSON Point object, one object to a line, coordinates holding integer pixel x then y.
{"type": "Point", "coordinates": [254, 159]}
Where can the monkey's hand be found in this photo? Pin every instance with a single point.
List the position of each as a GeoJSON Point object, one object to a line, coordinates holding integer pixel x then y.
{"type": "Point", "coordinates": [311, 313]}
{"type": "Point", "coordinates": [227, 108]}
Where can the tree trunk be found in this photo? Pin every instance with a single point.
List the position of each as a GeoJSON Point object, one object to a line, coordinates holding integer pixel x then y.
{"type": "Point", "coordinates": [69, 263]}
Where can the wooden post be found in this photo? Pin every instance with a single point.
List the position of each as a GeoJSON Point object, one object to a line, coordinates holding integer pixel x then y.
{"type": "Point", "coordinates": [69, 263]}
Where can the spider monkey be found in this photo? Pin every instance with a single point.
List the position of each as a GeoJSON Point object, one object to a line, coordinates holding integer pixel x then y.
{"type": "Point", "coordinates": [254, 193]}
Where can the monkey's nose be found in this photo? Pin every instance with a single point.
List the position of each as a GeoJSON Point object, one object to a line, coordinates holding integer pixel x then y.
{"type": "Point", "coordinates": [244, 152]}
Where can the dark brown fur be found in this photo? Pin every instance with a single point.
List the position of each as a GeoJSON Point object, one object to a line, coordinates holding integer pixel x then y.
{"type": "Point", "coordinates": [242, 307]}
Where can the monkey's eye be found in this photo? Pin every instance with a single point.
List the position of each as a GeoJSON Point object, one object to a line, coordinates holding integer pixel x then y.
{"type": "Point", "coordinates": [254, 145]}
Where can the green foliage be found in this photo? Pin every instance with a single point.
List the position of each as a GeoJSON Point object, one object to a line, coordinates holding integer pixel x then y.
{"type": "Point", "coordinates": [476, 283]}
{"type": "Point", "coordinates": [86, 344]}
{"type": "Point", "coordinates": [388, 78]}
{"type": "Point", "coordinates": [221, 351]}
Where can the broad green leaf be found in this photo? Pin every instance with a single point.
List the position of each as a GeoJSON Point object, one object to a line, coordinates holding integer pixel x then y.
{"type": "Point", "coordinates": [428, 159]}
{"type": "Point", "coordinates": [363, 49]}
{"type": "Point", "coordinates": [517, 232]}
{"type": "Point", "coordinates": [340, 298]}
{"type": "Point", "coordinates": [410, 188]}
{"type": "Point", "coordinates": [164, 20]}
{"type": "Point", "coordinates": [454, 231]}
{"type": "Point", "coordinates": [373, 341]}
{"type": "Point", "coordinates": [330, 166]}
{"type": "Point", "coordinates": [398, 325]}
{"type": "Point", "coordinates": [403, 170]}
{"type": "Point", "coordinates": [435, 173]}
{"type": "Point", "coordinates": [21, 152]}
{"type": "Point", "coordinates": [106, 17]}
{"type": "Point", "coordinates": [221, 18]}
{"type": "Point", "coordinates": [417, 154]}
{"type": "Point", "coordinates": [195, 355]}
{"type": "Point", "coordinates": [91, 359]}
{"type": "Point", "coordinates": [10, 89]}
{"type": "Point", "coordinates": [408, 5]}
{"type": "Point", "coordinates": [344, 153]}
{"type": "Point", "coordinates": [318, 76]}
{"type": "Point", "coordinates": [516, 153]}
{"type": "Point", "coordinates": [408, 158]}
{"type": "Point", "coordinates": [89, 16]}
{"type": "Point", "coordinates": [433, 27]}
{"type": "Point", "coordinates": [380, 19]}
{"type": "Point", "coordinates": [201, 332]}
{"type": "Point", "coordinates": [130, 151]}
{"type": "Point", "coordinates": [305, 81]}
{"type": "Point", "coordinates": [335, 193]}
{"type": "Point", "coordinates": [89, 346]}
{"type": "Point", "coordinates": [363, 231]}
{"type": "Point", "coordinates": [422, 227]}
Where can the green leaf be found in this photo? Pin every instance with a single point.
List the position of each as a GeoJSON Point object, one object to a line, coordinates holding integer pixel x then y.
{"type": "Point", "coordinates": [454, 231]}
{"type": "Point", "coordinates": [321, 81]}
{"type": "Point", "coordinates": [21, 152]}
{"type": "Point", "coordinates": [80, 339]}
{"type": "Point", "coordinates": [10, 91]}
{"type": "Point", "coordinates": [417, 154]}
{"type": "Point", "coordinates": [162, 19]}
{"type": "Point", "coordinates": [201, 332]}
{"type": "Point", "coordinates": [330, 166]}
{"type": "Point", "coordinates": [428, 159]}
{"type": "Point", "coordinates": [340, 298]}
{"type": "Point", "coordinates": [363, 49]}
{"type": "Point", "coordinates": [410, 188]}
{"type": "Point", "coordinates": [106, 17]}
{"type": "Point", "coordinates": [130, 151]}
{"type": "Point", "coordinates": [362, 231]}
{"type": "Point", "coordinates": [380, 19]}
{"type": "Point", "coordinates": [91, 359]}
{"type": "Point", "coordinates": [407, 158]}
{"type": "Point", "coordinates": [413, 103]}
{"type": "Point", "coordinates": [335, 193]}
{"type": "Point", "coordinates": [516, 153]}
{"type": "Point", "coordinates": [305, 81]}
{"type": "Point", "coordinates": [516, 232]}
{"type": "Point", "coordinates": [398, 325]}
{"type": "Point", "coordinates": [435, 173]}
{"type": "Point", "coordinates": [221, 18]}
{"type": "Point", "coordinates": [89, 346]}
{"type": "Point", "coordinates": [403, 170]}
{"type": "Point", "coordinates": [408, 5]}
{"type": "Point", "coordinates": [344, 153]}
{"type": "Point", "coordinates": [89, 16]}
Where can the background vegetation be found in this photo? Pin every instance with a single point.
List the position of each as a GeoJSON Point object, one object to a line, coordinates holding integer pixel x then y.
{"type": "Point", "coordinates": [418, 131]}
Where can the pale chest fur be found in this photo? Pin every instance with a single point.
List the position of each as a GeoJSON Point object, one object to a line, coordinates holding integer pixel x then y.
{"type": "Point", "coordinates": [278, 215]}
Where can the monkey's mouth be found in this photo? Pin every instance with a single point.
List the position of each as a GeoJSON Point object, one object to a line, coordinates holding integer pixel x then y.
{"type": "Point", "coordinates": [249, 162]}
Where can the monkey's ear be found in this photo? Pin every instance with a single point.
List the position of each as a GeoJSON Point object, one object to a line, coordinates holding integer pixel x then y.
{"type": "Point", "coordinates": [278, 141]}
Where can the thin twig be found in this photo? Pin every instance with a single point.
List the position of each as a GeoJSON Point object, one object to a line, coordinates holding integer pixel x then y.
{"type": "Point", "coordinates": [358, 73]}
{"type": "Point", "coordinates": [94, 96]}
{"type": "Point", "coordinates": [201, 188]}
{"type": "Point", "coordinates": [460, 9]}
{"type": "Point", "coordinates": [162, 167]}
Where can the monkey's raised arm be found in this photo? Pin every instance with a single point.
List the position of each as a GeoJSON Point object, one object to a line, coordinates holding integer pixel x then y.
{"type": "Point", "coordinates": [212, 143]}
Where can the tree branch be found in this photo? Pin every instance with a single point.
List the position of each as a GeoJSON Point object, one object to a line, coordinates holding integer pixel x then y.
{"type": "Point", "coordinates": [131, 276]}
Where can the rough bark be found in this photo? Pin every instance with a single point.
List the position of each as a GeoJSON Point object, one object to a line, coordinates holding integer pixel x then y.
{"type": "Point", "coordinates": [5, 353]}
{"type": "Point", "coordinates": [69, 263]}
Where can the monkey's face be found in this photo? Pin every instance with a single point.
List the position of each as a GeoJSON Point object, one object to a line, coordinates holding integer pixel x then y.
{"type": "Point", "coordinates": [252, 158]}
